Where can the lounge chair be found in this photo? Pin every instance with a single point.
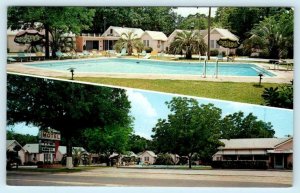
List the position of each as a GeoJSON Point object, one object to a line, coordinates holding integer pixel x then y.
{"type": "Point", "coordinates": [21, 55]}
{"type": "Point", "coordinates": [147, 56]}
{"type": "Point", "coordinates": [123, 53]}
{"type": "Point", "coordinates": [10, 60]}
{"type": "Point", "coordinates": [143, 53]}
{"type": "Point", "coordinates": [85, 53]}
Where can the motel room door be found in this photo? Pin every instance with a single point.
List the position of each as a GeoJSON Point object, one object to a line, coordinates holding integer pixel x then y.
{"type": "Point", "coordinates": [278, 161]}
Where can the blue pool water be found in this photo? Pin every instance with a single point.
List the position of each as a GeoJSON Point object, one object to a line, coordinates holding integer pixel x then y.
{"type": "Point", "coordinates": [132, 66]}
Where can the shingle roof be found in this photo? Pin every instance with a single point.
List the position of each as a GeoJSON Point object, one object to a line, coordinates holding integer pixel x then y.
{"type": "Point", "coordinates": [149, 152]}
{"type": "Point", "coordinates": [9, 142]}
{"type": "Point", "coordinates": [32, 148]}
{"type": "Point", "coordinates": [157, 35]}
{"type": "Point", "coordinates": [252, 143]}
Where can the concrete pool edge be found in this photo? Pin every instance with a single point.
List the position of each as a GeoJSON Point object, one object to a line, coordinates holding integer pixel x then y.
{"type": "Point", "coordinates": [281, 75]}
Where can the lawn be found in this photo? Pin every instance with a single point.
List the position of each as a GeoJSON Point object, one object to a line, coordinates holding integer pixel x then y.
{"type": "Point", "coordinates": [240, 92]}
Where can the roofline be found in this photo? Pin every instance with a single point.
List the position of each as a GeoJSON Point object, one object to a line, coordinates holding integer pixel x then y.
{"type": "Point", "coordinates": [284, 142]}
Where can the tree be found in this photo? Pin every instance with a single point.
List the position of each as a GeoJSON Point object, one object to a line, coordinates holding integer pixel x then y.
{"type": "Point", "coordinates": [67, 107]}
{"type": "Point", "coordinates": [188, 41]}
{"type": "Point", "coordinates": [276, 33]}
{"type": "Point", "coordinates": [20, 138]}
{"type": "Point", "coordinates": [197, 22]}
{"type": "Point", "coordinates": [237, 126]}
{"type": "Point", "coordinates": [190, 128]}
{"type": "Point", "coordinates": [129, 41]}
{"type": "Point", "coordinates": [109, 140]}
{"type": "Point", "coordinates": [138, 144]}
{"type": "Point", "coordinates": [55, 20]}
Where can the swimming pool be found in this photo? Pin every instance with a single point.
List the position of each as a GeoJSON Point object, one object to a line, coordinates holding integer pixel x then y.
{"type": "Point", "coordinates": [134, 66]}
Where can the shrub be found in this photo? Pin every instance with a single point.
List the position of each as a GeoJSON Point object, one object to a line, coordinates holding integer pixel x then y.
{"type": "Point", "coordinates": [214, 52]}
{"type": "Point", "coordinates": [279, 96]}
{"type": "Point", "coordinates": [148, 49]}
{"type": "Point", "coordinates": [239, 164]}
{"type": "Point", "coordinates": [164, 159]}
{"type": "Point", "coordinates": [39, 163]}
{"type": "Point", "coordinates": [29, 163]}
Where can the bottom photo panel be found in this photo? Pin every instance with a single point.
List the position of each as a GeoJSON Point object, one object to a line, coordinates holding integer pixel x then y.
{"type": "Point", "coordinates": [64, 133]}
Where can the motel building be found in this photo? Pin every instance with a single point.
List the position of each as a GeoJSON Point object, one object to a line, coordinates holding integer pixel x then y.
{"type": "Point", "coordinates": [277, 152]}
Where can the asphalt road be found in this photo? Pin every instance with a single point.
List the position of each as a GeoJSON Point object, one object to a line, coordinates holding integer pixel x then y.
{"type": "Point", "coordinates": [153, 177]}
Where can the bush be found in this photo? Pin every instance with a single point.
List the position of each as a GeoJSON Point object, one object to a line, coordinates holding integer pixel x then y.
{"type": "Point", "coordinates": [29, 163]}
{"type": "Point", "coordinates": [148, 49]}
{"type": "Point", "coordinates": [239, 164]}
{"type": "Point", "coordinates": [214, 52]}
{"type": "Point", "coordinates": [39, 163]}
{"type": "Point", "coordinates": [279, 96]}
{"type": "Point", "coordinates": [164, 159]}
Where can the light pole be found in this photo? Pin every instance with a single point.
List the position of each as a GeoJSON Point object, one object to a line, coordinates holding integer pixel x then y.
{"type": "Point", "coordinates": [208, 34]}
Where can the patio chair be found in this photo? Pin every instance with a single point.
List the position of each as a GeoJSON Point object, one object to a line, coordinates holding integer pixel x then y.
{"type": "Point", "coordinates": [59, 54]}
{"type": "Point", "coordinates": [40, 55]}
{"type": "Point", "coordinates": [220, 57]}
{"type": "Point", "coordinates": [154, 53]}
{"type": "Point", "coordinates": [21, 56]}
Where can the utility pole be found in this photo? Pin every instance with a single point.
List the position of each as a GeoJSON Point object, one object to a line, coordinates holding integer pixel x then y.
{"type": "Point", "coordinates": [208, 34]}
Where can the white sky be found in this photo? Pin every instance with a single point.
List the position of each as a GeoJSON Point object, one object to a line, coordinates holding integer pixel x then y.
{"type": "Point", "coordinates": [185, 11]}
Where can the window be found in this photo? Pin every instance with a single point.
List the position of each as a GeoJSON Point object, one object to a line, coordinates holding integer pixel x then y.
{"type": "Point", "coordinates": [212, 43]}
{"type": "Point", "coordinates": [146, 42]}
{"type": "Point", "coordinates": [146, 159]}
{"type": "Point", "coordinates": [245, 157]}
{"type": "Point", "coordinates": [111, 32]}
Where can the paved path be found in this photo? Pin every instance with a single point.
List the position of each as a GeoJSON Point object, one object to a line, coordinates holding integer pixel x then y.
{"type": "Point", "coordinates": [155, 177]}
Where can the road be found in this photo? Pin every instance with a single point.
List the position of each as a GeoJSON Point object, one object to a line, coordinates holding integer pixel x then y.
{"type": "Point", "coordinates": [154, 177]}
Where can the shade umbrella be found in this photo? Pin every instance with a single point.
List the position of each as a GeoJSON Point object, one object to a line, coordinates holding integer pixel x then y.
{"type": "Point", "coordinates": [29, 36]}
{"type": "Point", "coordinates": [228, 42]}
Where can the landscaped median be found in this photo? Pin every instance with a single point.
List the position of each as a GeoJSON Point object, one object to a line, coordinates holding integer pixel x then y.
{"type": "Point", "coordinates": [233, 91]}
{"type": "Point", "coordinates": [54, 170]}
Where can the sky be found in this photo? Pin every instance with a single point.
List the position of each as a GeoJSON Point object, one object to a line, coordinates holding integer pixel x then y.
{"type": "Point", "coordinates": [148, 106]}
{"type": "Point", "coordinates": [185, 11]}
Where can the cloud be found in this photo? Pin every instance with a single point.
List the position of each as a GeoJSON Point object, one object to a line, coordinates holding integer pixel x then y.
{"type": "Point", "coordinates": [140, 104]}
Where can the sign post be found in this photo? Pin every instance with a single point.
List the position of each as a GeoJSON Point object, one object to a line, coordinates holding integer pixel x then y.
{"type": "Point", "coordinates": [48, 143]}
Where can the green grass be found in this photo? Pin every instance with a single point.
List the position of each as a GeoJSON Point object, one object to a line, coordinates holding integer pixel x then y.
{"type": "Point", "coordinates": [240, 92]}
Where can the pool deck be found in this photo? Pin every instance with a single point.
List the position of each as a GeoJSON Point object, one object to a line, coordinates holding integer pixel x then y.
{"type": "Point", "coordinates": [282, 76]}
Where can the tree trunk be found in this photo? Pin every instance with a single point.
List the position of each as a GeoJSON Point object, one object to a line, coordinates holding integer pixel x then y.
{"type": "Point", "coordinates": [47, 55]}
{"type": "Point", "coordinates": [190, 162]}
{"type": "Point", "coordinates": [69, 163]}
{"type": "Point", "coordinates": [188, 55]}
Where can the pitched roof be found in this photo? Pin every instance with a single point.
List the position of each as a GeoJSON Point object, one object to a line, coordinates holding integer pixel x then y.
{"type": "Point", "coordinates": [202, 32]}
{"type": "Point", "coordinates": [151, 153]}
{"type": "Point", "coordinates": [226, 33]}
{"type": "Point", "coordinates": [157, 35]}
{"type": "Point", "coordinates": [10, 142]}
{"type": "Point", "coordinates": [252, 143]}
{"type": "Point", "coordinates": [32, 148]}
{"type": "Point", "coordinates": [120, 30]}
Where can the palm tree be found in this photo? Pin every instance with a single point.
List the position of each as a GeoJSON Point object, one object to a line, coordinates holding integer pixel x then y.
{"type": "Point", "coordinates": [275, 35]}
{"type": "Point", "coordinates": [188, 41]}
{"type": "Point", "coordinates": [129, 41]}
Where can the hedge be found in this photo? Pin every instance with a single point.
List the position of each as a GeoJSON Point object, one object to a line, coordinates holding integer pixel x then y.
{"type": "Point", "coordinates": [239, 164]}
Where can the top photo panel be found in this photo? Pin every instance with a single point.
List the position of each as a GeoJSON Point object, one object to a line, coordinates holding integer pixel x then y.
{"type": "Point", "coordinates": [242, 54]}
